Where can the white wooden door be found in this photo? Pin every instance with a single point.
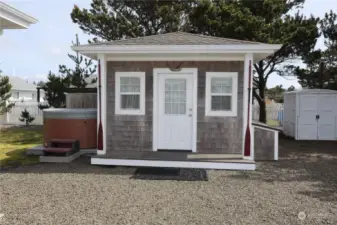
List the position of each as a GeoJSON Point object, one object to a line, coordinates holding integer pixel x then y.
{"type": "Point", "coordinates": [326, 121]}
{"type": "Point", "coordinates": [175, 116]}
{"type": "Point", "coordinates": [307, 122]}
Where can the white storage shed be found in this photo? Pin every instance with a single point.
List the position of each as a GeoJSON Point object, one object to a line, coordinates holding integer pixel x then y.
{"type": "Point", "coordinates": [310, 114]}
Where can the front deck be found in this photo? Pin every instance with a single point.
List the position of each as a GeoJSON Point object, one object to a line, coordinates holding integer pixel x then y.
{"type": "Point", "coordinates": [174, 159]}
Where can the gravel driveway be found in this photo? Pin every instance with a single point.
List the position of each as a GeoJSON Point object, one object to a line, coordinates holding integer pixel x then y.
{"type": "Point", "coordinates": [77, 193]}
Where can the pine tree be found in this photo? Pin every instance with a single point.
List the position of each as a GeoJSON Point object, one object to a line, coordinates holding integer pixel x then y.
{"type": "Point", "coordinates": [291, 88]}
{"type": "Point", "coordinates": [113, 20]}
{"type": "Point", "coordinates": [40, 83]}
{"type": "Point", "coordinates": [5, 88]}
{"type": "Point", "coordinates": [54, 90]}
{"type": "Point", "coordinates": [26, 117]}
{"type": "Point", "coordinates": [265, 21]}
{"type": "Point", "coordinates": [321, 70]}
{"type": "Point", "coordinates": [84, 68]}
{"type": "Point", "coordinates": [56, 85]}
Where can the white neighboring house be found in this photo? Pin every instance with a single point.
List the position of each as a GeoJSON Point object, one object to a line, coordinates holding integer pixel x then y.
{"type": "Point", "coordinates": [11, 18]}
{"type": "Point", "coordinates": [24, 95]}
{"type": "Point", "coordinates": [24, 91]}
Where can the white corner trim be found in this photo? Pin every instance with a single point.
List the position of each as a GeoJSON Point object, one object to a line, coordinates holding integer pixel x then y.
{"type": "Point", "coordinates": [103, 62]}
{"type": "Point", "coordinates": [245, 101]}
{"type": "Point", "coordinates": [297, 103]}
{"type": "Point", "coordinates": [234, 94]}
{"type": "Point", "coordinates": [155, 110]}
{"type": "Point", "coordinates": [174, 164]}
{"type": "Point", "coordinates": [252, 150]}
{"type": "Point", "coordinates": [118, 109]}
{"type": "Point", "coordinates": [156, 73]}
{"type": "Point", "coordinates": [276, 146]}
{"type": "Point", "coordinates": [195, 110]}
{"type": "Point", "coordinates": [336, 124]}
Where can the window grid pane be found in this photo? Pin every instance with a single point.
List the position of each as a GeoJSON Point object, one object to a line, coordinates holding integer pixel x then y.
{"type": "Point", "coordinates": [130, 84]}
{"type": "Point", "coordinates": [221, 103]}
{"type": "Point", "coordinates": [221, 85]}
{"type": "Point", "coordinates": [130, 101]}
{"type": "Point", "coordinates": [175, 96]}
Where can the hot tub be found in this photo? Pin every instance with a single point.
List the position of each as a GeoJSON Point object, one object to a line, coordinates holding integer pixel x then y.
{"type": "Point", "coordinates": [79, 124]}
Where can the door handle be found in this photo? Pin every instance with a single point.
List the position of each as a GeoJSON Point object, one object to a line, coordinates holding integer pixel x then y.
{"type": "Point", "coordinates": [317, 117]}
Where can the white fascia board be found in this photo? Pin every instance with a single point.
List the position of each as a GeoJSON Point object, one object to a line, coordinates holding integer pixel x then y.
{"type": "Point", "coordinates": [15, 16]}
{"type": "Point", "coordinates": [132, 49]}
{"type": "Point", "coordinates": [172, 57]}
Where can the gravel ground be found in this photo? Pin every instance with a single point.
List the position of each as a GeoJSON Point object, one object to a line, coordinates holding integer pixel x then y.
{"type": "Point", "coordinates": [77, 193]}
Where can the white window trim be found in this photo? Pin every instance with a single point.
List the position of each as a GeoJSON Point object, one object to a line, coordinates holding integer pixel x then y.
{"type": "Point", "coordinates": [208, 95]}
{"type": "Point", "coordinates": [118, 110]}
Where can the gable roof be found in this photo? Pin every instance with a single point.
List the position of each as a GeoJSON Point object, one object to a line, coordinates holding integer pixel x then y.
{"type": "Point", "coordinates": [179, 38]}
{"type": "Point", "coordinates": [171, 46]}
{"type": "Point", "coordinates": [20, 84]}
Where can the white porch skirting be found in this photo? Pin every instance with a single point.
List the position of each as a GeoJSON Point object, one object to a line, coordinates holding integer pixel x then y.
{"type": "Point", "coordinates": [175, 164]}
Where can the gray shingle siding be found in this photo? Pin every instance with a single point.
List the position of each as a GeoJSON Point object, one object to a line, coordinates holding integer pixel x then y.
{"type": "Point", "coordinates": [214, 135]}
{"type": "Point", "coordinates": [129, 132]}
{"type": "Point", "coordinates": [219, 134]}
{"type": "Point", "coordinates": [263, 144]}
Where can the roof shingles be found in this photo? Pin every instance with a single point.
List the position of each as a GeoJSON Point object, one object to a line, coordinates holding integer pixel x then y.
{"type": "Point", "coordinates": [179, 38]}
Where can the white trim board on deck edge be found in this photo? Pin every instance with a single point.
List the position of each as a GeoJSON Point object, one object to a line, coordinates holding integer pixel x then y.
{"type": "Point", "coordinates": [174, 164]}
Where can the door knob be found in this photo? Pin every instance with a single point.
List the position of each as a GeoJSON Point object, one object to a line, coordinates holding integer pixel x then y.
{"type": "Point", "coordinates": [317, 117]}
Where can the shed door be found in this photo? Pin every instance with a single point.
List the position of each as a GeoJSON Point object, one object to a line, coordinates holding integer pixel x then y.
{"type": "Point", "coordinates": [307, 122]}
{"type": "Point", "coordinates": [326, 122]}
{"type": "Point", "coordinates": [175, 111]}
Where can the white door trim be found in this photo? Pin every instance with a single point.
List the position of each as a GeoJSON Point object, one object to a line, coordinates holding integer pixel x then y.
{"type": "Point", "coordinates": [156, 72]}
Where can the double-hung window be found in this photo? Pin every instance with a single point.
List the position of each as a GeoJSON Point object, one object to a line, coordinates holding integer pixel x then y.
{"type": "Point", "coordinates": [221, 93]}
{"type": "Point", "coordinates": [130, 93]}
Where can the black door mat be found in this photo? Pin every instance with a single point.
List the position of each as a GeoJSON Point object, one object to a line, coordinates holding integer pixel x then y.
{"type": "Point", "coordinates": [179, 174]}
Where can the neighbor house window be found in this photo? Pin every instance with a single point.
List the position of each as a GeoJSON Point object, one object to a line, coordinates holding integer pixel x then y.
{"type": "Point", "coordinates": [221, 94]}
{"type": "Point", "coordinates": [130, 93]}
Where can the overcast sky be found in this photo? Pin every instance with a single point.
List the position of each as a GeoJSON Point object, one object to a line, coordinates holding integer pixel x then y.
{"type": "Point", "coordinates": [31, 53]}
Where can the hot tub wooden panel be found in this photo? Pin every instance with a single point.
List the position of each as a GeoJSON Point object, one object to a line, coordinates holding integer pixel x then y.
{"type": "Point", "coordinates": [71, 124]}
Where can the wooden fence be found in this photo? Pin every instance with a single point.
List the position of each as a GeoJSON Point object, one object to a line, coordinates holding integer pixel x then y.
{"type": "Point", "coordinates": [274, 112]}
{"type": "Point", "coordinates": [81, 100]}
{"type": "Point", "coordinates": [12, 117]}
{"type": "Point", "coordinates": [73, 100]}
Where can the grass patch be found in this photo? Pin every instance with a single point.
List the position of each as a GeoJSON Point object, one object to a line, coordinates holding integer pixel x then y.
{"type": "Point", "coordinates": [13, 143]}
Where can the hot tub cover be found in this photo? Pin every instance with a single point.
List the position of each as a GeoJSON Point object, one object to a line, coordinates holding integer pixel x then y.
{"type": "Point", "coordinates": [65, 113]}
